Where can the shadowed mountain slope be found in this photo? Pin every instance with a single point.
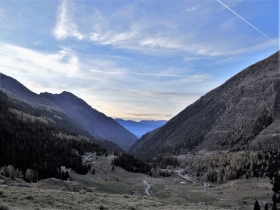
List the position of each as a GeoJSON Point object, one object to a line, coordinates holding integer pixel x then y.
{"type": "Point", "coordinates": [64, 114]}
{"type": "Point", "coordinates": [96, 123]}
{"type": "Point", "coordinates": [19, 91]}
{"type": "Point", "coordinates": [242, 113]}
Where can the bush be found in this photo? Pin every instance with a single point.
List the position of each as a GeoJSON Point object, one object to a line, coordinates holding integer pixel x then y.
{"type": "Point", "coordinates": [132, 208]}
{"type": "Point", "coordinates": [29, 175]}
{"type": "Point", "coordinates": [4, 171]}
{"type": "Point", "coordinates": [101, 207]}
{"type": "Point", "coordinates": [2, 207]}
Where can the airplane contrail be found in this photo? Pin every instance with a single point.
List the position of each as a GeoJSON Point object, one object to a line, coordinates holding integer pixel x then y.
{"type": "Point", "coordinates": [246, 22]}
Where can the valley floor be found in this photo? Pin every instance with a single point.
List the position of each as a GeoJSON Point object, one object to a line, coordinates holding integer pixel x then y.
{"type": "Point", "coordinates": [119, 189]}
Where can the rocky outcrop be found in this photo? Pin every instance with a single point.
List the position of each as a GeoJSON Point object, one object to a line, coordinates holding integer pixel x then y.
{"type": "Point", "coordinates": [17, 182]}
{"type": "Point", "coordinates": [243, 112]}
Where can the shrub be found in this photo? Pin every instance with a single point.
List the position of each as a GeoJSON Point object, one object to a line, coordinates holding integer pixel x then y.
{"type": "Point", "coordinates": [29, 197]}
{"type": "Point", "coordinates": [29, 175]}
{"type": "Point", "coordinates": [4, 171]}
{"type": "Point", "coordinates": [132, 208]}
{"type": "Point", "coordinates": [2, 207]}
{"type": "Point", "coordinates": [101, 207]}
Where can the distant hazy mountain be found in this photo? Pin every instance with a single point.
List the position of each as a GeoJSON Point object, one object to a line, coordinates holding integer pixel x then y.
{"type": "Point", "coordinates": [244, 112]}
{"type": "Point", "coordinates": [81, 118]}
{"type": "Point", "coordinates": [93, 121]}
{"type": "Point", "coordinates": [142, 127]}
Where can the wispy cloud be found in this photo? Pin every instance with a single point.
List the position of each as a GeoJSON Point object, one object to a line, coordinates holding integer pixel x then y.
{"type": "Point", "coordinates": [194, 78]}
{"type": "Point", "coordinates": [126, 57]}
{"type": "Point", "coordinates": [117, 56]}
{"type": "Point", "coordinates": [36, 43]}
{"type": "Point", "coordinates": [189, 58]}
{"type": "Point", "coordinates": [143, 115]}
{"type": "Point", "coordinates": [191, 9]}
{"type": "Point", "coordinates": [64, 62]}
{"type": "Point", "coordinates": [161, 42]}
{"type": "Point", "coordinates": [65, 25]}
{"type": "Point", "coordinates": [140, 31]}
{"type": "Point", "coordinates": [169, 115]}
{"type": "Point", "coordinates": [138, 73]}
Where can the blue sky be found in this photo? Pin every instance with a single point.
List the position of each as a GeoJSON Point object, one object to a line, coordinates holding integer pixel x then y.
{"type": "Point", "coordinates": [134, 59]}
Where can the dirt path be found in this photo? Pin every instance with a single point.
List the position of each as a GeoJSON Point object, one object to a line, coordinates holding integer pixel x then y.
{"type": "Point", "coordinates": [147, 190]}
{"type": "Point", "coordinates": [186, 176]}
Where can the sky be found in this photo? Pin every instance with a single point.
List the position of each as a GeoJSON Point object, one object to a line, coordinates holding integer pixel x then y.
{"type": "Point", "coordinates": [137, 60]}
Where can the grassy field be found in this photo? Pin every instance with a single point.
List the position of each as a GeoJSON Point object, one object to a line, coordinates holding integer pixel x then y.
{"type": "Point", "coordinates": [17, 198]}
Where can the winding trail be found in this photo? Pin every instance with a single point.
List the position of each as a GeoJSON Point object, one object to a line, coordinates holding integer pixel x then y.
{"type": "Point", "coordinates": [147, 188]}
{"type": "Point", "coordinates": [186, 176]}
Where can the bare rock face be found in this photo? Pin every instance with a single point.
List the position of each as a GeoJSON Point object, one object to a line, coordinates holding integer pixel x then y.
{"type": "Point", "coordinates": [243, 112]}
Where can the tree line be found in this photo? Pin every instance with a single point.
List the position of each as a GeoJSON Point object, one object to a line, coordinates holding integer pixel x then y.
{"type": "Point", "coordinates": [229, 166]}
{"type": "Point", "coordinates": [131, 164]}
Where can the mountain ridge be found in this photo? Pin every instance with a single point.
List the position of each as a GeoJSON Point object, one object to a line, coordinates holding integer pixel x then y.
{"type": "Point", "coordinates": [229, 116]}
{"type": "Point", "coordinates": [93, 121]}
{"type": "Point", "coordinates": [70, 105]}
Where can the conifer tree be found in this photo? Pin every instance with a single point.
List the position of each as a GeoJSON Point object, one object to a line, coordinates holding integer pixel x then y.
{"type": "Point", "coordinates": [257, 205]}
{"type": "Point", "coordinates": [266, 207]}
{"type": "Point", "coordinates": [274, 207]}
{"type": "Point", "coordinates": [274, 198]}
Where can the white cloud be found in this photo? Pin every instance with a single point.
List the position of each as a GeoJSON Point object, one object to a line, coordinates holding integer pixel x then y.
{"type": "Point", "coordinates": [161, 42]}
{"type": "Point", "coordinates": [109, 88]}
{"type": "Point", "coordinates": [191, 9]}
{"type": "Point", "coordinates": [19, 59]}
{"type": "Point", "coordinates": [65, 25]}
{"type": "Point", "coordinates": [153, 34]}
{"type": "Point", "coordinates": [130, 27]}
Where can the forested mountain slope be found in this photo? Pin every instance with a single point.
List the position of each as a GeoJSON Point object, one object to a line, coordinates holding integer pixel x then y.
{"type": "Point", "coordinates": [242, 113]}
{"type": "Point", "coordinates": [31, 141]}
{"type": "Point", "coordinates": [96, 123]}
{"type": "Point", "coordinates": [82, 117]}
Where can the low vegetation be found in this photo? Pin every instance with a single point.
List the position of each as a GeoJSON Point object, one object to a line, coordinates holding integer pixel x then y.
{"type": "Point", "coordinates": [34, 198]}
